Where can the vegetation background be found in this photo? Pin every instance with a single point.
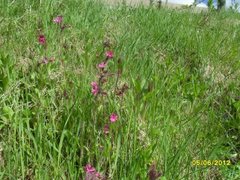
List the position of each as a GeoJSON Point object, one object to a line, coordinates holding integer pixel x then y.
{"type": "Point", "coordinates": [182, 102]}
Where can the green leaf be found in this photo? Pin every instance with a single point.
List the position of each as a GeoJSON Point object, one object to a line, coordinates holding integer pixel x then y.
{"type": "Point", "coordinates": [8, 112]}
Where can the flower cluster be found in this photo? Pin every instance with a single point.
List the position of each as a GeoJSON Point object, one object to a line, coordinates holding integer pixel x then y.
{"type": "Point", "coordinates": [109, 55]}
{"type": "Point", "coordinates": [101, 88]}
{"type": "Point", "coordinates": [42, 40]}
{"type": "Point", "coordinates": [96, 87]}
{"type": "Point", "coordinates": [92, 174]}
{"type": "Point", "coordinates": [57, 20]}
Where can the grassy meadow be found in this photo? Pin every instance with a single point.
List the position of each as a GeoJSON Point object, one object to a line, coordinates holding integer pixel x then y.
{"type": "Point", "coordinates": [91, 91]}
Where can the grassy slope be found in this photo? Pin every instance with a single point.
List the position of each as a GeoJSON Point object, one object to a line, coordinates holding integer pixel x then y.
{"type": "Point", "coordinates": [182, 70]}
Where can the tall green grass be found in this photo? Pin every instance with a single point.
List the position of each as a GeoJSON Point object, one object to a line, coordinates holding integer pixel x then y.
{"type": "Point", "coordinates": [182, 70]}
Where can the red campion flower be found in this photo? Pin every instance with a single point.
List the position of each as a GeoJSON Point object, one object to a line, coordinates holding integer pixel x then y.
{"type": "Point", "coordinates": [109, 54]}
{"type": "Point", "coordinates": [106, 129]}
{"type": "Point", "coordinates": [91, 173]}
{"type": "Point", "coordinates": [90, 169]}
{"type": "Point", "coordinates": [95, 88]}
{"type": "Point", "coordinates": [58, 19]}
{"type": "Point", "coordinates": [41, 39]}
{"type": "Point", "coordinates": [102, 65]}
{"type": "Point", "coordinates": [113, 117]}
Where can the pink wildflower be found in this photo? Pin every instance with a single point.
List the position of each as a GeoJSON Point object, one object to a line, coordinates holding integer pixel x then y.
{"type": "Point", "coordinates": [95, 88]}
{"type": "Point", "coordinates": [41, 39]}
{"type": "Point", "coordinates": [102, 65]}
{"type": "Point", "coordinates": [91, 173]}
{"type": "Point", "coordinates": [98, 175]}
{"type": "Point", "coordinates": [113, 117]}
{"type": "Point", "coordinates": [109, 54]}
{"type": "Point", "coordinates": [90, 169]}
{"type": "Point", "coordinates": [58, 19]}
{"type": "Point", "coordinates": [106, 129]}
